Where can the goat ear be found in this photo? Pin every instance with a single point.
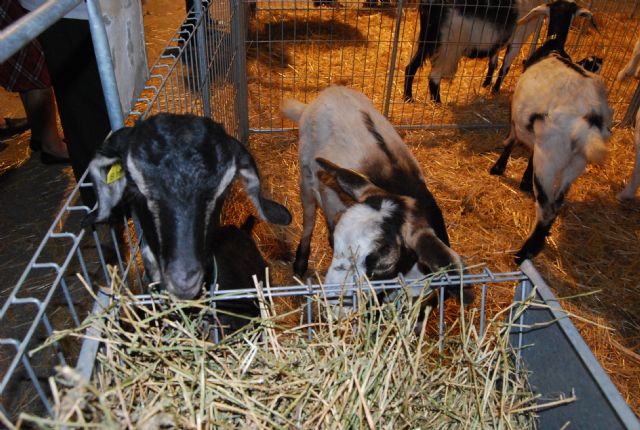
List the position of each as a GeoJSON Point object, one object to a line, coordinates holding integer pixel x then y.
{"type": "Point", "coordinates": [542, 10]}
{"type": "Point", "coordinates": [109, 183]}
{"type": "Point", "coordinates": [268, 209]}
{"type": "Point", "coordinates": [331, 182]}
{"type": "Point", "coordinates": [433, 254]}
{"type": "Point", "coordinates": [354, 184]}
{"type": "Point", "coordinates": [588, 15]}
{"type": "Point", "coordinates": [108, 175]}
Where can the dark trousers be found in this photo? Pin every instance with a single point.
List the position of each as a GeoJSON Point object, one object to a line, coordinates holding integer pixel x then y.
{"type": "Point", "coordinates": [74, 74]}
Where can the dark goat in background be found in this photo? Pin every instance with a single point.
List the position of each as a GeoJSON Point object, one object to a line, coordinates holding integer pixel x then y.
{"type": "Point", "coordinates": [176, 171]}
{"type": "Point", "coordinates": [470, 28]}
{"type": "Point", "coordinates": [237, 260]}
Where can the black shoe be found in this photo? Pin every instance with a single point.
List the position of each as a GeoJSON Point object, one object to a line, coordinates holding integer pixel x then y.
{"type": "Point", "coordinates": [35, 145]}
{"type": "Point", "coordinates": [47, 158]}
{"type": "Point", "coordinates": [13, 126]}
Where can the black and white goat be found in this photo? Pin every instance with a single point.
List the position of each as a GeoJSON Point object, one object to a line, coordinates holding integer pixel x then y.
{"type": "Point", "coordinates": [560, 111]}
{"type": "Point", "coordinates": [175, 171]}
{"type": "Point", "coordinates": [381, 217]}
{"type": "Point", "coordinates": [237, 259]}
{"type": "Point", "coordinates": [471, 28]}
{"type": "Point", "coordinates": [631, 69]}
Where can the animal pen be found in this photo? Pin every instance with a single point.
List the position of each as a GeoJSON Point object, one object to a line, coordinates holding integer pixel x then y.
{"type": "Point", "coordinates": [236, 62]}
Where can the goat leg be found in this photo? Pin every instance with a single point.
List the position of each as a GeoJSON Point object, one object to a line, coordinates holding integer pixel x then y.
{"type": "Point", "coordinates": [500, 165]}
{"type": "Point", "coordinates": [526, 184]}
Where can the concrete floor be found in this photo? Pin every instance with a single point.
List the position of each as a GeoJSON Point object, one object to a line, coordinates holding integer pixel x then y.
{"type": "Point", "coordinates": [31, 195]}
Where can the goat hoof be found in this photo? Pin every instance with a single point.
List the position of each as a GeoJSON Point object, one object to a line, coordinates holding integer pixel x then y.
{"type": "Point", "coordinates": [519, 258]}
{"type": "Point", "coordinates": [409, 99]}
{"type": "Point", "coordinates": [496, 170]}
{"type": "Point", "coordinates": [526, 186]}
{"type": "Point", "coordinates": [495, 90]}
{"type": "Point", "coordinates": [486, 83]}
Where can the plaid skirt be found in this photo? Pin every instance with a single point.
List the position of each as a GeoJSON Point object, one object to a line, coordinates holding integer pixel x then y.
{"type": "Point", "coordinates": [27, 69]}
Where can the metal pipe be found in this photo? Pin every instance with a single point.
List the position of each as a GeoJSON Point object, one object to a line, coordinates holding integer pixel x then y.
{"type": "Point", "coordinates": [394, 56]}
{"type": "Point", "coordinates": [238, 32]}
{"type": "Point", "coordinates": [201, 56]}
{"type": "Point", "coordinates": [17, 35]}
{"type": "Point", "coordinates": [105, 65]}
{"type": "Point", "coordinates": [630, 114]}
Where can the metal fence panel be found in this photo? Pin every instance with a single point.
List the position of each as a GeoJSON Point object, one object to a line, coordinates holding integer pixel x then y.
{"type": "Point", "coordinates": [294, 50]}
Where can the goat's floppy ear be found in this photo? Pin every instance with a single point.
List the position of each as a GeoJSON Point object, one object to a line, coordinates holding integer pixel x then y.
{"type": "Point", "coordinates": [432, 253]}
{"type": "Point", "coordinates": [331, 182]}
{"type": "Point", "coordinates": [542, 10]}
{"type": "Point", "coordinates": [588, 15]}
{"type": "Point", "coordinates": [108, 176]}
{"type": "Point", "coordinates": [268, 209]}
{"type": "Point", "coordinates": [433, 256]}
{"type": "Point", "coordinates": [354, 184]}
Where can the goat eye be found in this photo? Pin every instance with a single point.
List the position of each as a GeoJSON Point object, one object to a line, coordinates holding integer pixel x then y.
{"type": "Point", "coordinates": [370, 263]}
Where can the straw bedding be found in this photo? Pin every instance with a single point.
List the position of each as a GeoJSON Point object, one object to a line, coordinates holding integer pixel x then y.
{"type": "Point", "coordinates": [377, 368]}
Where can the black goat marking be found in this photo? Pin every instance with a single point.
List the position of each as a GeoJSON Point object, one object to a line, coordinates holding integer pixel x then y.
{"type": "Point", "coordinates": [535, 242]}
{"type": "Point", "coordinates": [500, 13]}
{"type": "Point", "coordinates": [573, 66]}
{"type": "Point", "coordinates": [533, 118]}
{"type": "Point", "coordinates": [594, 120]}
{"type": "Point", "coordinates": [407, 181]}
{"type": "Point", "coordinates": [375, 201]}
{"type": "Point", "coordinates": [541, 197]}
{"type": "Point", "coordinates": [378, 137]}
{"type": "Point", "coordinates": [389, 242]}
{"type": "Point", "coordinates": [591, 64]}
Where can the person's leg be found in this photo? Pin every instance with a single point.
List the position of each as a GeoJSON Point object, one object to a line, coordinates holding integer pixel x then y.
{"type": "Point", "coordinates": [76, 81]}
{"type": "Point", "coordinates": [40, 107]}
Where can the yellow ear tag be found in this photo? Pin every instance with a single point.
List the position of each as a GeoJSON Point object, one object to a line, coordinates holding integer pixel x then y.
{"type": "Point", "coordinates": [115, 172]}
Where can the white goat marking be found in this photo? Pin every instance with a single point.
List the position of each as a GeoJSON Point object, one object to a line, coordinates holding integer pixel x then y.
{"type": "Point", "coordinates": [228, 176]}
{"type": "Point", "coordinates": [152, 204]}
{"type": "Point", "coordinates": [150, 263]}
{"type": "Point", "coordinates": [355, 237]}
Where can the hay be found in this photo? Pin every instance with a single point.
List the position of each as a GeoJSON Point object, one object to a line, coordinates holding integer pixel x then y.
{"type": "Point", "coordinates": [377, 368]}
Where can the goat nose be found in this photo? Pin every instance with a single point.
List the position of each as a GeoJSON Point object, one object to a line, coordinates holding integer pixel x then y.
{"type": "Point", "coordinates": [184, 282]}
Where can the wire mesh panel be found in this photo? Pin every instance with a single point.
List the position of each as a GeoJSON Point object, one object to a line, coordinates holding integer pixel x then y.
{"type": "Point", "coordinates": [200, 71]}
{"type": "Point", "coordinates": [297, 48]}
